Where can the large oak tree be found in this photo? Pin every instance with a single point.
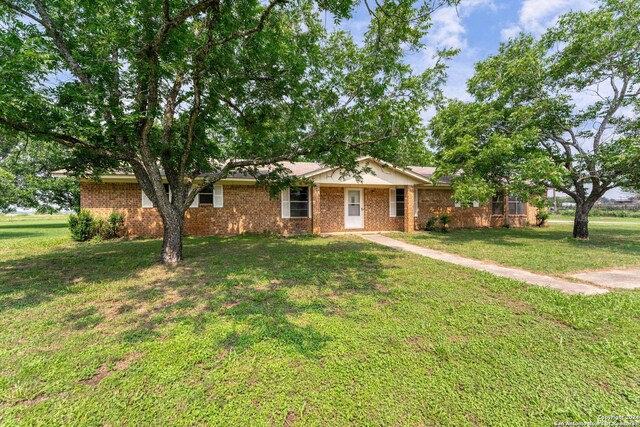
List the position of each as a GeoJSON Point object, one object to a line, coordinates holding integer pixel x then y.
{"type": "Point", "coordinates": [560, 111]}
{"type": "Point", "coordinates": [181, 89]}
{"type": "Point", "coordinates": [26, 176]}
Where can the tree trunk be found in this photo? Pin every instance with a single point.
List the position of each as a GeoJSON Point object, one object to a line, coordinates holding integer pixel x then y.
{"type": "Point", "coordinates": [581, 221]}
{"type": "Point", "coordinates": [172, 238]}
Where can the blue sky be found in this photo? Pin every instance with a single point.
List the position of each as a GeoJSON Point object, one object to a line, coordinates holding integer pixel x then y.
{"type": "Point", "coordinates": [477, 27]}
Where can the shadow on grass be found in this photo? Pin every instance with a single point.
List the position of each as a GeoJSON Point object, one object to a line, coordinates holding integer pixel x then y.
{"type": "Point", "coordinates": [265, 287]}
{"type": "Point", "coordinates": [20, 235]}
{"type": "Point", "coordinates": [34, 225]}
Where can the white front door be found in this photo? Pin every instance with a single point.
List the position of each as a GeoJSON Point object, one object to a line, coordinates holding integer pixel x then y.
{"type": "Point", "coordinates": [353, 208]}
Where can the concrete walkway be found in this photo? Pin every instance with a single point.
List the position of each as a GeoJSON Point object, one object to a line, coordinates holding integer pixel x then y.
{"type": "Point", "coordinates": [622, 279]}
{"type": "Point", "coordinates": [512, 273]}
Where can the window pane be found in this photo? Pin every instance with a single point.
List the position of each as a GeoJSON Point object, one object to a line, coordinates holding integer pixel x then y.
{"type": "Point", "coordinates": [299, 194]}
{"type": "Point", "coordinates": [516, 206]}
{"type": "Point", "coordinates": [299, 204]}
{"type": "Point", "coordinates": [497, 204]}
{"type": "Point", "coordinates": [206, 199]}
{"type": "Point", "coordinates": [354, 209]}
{"type": "Point", "coordinates": [206, 195]}
{"type": "Point", "coordinates": [299, 211]}
{"type": "Point", "coordinates": [399, 201]}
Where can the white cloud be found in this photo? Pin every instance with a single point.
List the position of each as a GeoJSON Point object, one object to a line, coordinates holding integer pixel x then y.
{"type": "Point", "coordinates": [509, 32]}
{"type": "Point", "coordinates": [537, 15]}
{"type": "Point", "coordinates": [448, 29]}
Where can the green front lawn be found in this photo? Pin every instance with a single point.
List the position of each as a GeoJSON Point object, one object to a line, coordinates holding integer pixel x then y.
{"type": "Point", "coordinates": [549, 250]}
{"type": "Point", "coordinates": [598, 219]}
{"type": "Point", "coordinates": [299, 331]}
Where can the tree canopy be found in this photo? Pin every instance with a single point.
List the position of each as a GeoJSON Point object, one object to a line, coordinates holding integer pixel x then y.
{"type": "Point", "coordinates": [560, 111]}
{"type": "Point", "coordinates": [176, 89]}
{"type": "Point", "coordinates": [26, 179]}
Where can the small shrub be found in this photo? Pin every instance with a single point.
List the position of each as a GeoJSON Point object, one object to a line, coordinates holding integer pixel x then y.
{"type": "Point", "coordinates": [100, 229]}
{"type": "Point", "coordinates": [81, 226]}
{"type": "Point", "coordinates": [541, 218]}
{"type": "Point", "coordinates": [444, 219]}
{"type": "Point", "coordinates": [431, 223]}
{"type": "Point", "coordinates": [85, 227]}
{"type": "Point", "coordinates": [115, 226]}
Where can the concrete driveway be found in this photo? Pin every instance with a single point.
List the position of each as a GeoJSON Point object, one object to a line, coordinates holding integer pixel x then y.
{"type": "Point", "coordinates": [620, 279]}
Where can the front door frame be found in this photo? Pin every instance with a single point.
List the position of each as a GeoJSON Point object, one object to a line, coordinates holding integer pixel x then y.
{"type": "Point", "coordinates": [346, 209]}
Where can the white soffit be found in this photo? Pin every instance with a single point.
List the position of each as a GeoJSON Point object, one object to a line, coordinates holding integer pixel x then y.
{"type": "Point", "coordinates": [380, 175]}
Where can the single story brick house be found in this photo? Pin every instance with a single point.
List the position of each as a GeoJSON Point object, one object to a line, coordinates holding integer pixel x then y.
{"type": "Point", "coordinates": [385, 199]}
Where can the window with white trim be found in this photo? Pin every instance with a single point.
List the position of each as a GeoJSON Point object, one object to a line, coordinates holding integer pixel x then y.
{"type": "Point", "coordinates": [211, 195]}
{"type": "Point", "coordinates": [516, 206]}
{"type": "Point", "coordinates": [497, 204]}
{"type": "Point", "coordinates": [396, 202]}
{"type": "Point", "coordinates": [295, 202]}
{"type": "Point", "coordinates": [146, 201]}
{"type": "Point", "coordinates": [205, 196]}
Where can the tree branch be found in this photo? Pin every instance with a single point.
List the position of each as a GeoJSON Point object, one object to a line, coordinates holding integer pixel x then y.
{"type": "Point", "coordinates": [263, 18]}
{"type": "Point", "coordinates": [66, 140]}
{"type": "Point", "coordinates": [61, 44]}
{"type": "Point", "coordinates": [22, 11]}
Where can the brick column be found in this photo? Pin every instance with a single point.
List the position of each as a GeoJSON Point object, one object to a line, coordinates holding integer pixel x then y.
{"type": "Point", "coordinates": [505, 209]}
{"type": "Point", "coordinates": [315, 210]}
{"type": "Point", "coordinates": [409, 219]}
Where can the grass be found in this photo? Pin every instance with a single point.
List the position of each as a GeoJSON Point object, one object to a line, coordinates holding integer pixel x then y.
{"type": "Point", "coordinates": [549, 250]}
{"type": "Point", "coordinates": [299, 331]}
{"type": "Point", "coordinates": [598, 219]}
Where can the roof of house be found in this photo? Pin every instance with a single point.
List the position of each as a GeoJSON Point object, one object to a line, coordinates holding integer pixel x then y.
{"type": "Point", "coordinates": [311, 169]}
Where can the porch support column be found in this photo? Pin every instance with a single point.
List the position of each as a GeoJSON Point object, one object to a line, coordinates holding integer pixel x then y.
{"type": "Point", "coordinates": [315, 210]}
{"type": "Point", "coordinates": [505, 208]}
{"type": "Point", "coordinates": [409, 219]}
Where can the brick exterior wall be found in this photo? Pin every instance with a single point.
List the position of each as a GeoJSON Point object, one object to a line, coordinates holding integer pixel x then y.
{"type": "Point", "coordinates": [376, 211]}
{"type": "Point", "coordinates": [409, 211]}
{"type": "Point", "coordinates": [247, 209]}
{"type": "Point", "coordinates": [250, 209]}
{"type": "Point", "coordinates": [433, 202]}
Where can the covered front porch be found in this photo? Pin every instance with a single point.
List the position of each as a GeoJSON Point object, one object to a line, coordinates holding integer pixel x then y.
{"type": "Point", "coordinates": [382, 198]}
{"type": "Point", "coordinates": [361, 208]}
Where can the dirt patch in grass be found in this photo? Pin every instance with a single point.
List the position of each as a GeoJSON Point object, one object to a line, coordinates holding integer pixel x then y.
{"type": "Point", "coordinates": [517, 306]}
{"type": "Point", "coordinates": [290, 420]}
{"type": "Point", "coordinates": [382, 288]}
{"type": "Point", "coordinates": [417, 344]}
{"type": "Point", "coordinates": [457, 339]}
{"type": "Point", "coordinates": [30, 402]}
{"type": "Point", "coordinates": [104, 371]}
